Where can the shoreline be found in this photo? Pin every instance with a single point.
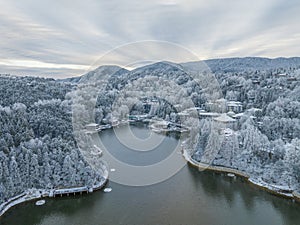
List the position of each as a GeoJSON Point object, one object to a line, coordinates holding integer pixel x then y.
{"type": "Point", "coordinates": [35, 194]}
{"type": "Point", "coordinates": [293, 195]}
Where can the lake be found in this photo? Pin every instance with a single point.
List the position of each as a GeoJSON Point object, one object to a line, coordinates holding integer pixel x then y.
{"type": "Point", "coordinates": [188, 197]}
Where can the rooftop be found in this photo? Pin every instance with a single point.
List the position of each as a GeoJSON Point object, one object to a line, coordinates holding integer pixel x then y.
{"type": "Point", "coordinates": [223, 118]}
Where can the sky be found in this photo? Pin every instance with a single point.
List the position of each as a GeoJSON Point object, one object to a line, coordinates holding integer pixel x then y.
{"type": "Point", "coordinates": [64, 38]}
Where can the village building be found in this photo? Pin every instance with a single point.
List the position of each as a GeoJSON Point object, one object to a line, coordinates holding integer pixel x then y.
{"type": "Point", "coordinates": [222, 105]}
{"type": "Point", "coordinates": [225, 121]}
{"type": "Point", "coordinates": [92, 127]}
{"type": "Point", "coordinates": [234, 106]}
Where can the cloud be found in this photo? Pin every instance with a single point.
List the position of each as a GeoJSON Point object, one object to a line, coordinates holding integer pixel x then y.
{"type": "Point", "coordinates": [38, 64]}
{"type": "Point", "coordinates": [76, 33]}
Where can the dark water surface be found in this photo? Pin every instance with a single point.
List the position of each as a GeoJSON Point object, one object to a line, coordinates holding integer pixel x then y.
{"type": "Point", "coordinates": [189, 197]}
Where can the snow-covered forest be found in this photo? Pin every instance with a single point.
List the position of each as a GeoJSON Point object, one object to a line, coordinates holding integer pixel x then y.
{"type": "Point", "coordinates": [264, 141]}
{"type": "Point", "coordinates": [38, 148]}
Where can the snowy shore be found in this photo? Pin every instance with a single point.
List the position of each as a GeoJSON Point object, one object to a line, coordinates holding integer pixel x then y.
{"type": "Point", "coordinates": [33, 194]}
{"type": "Point", "coordinates": [277, 190]}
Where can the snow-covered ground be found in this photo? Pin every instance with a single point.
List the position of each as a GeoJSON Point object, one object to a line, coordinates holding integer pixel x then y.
{"type": "Point", "coordinates": [26, 196]}
{"type": "Point", "coordinates": [281, 190]}
{"type": "Point", "coordinates": [32, 194]}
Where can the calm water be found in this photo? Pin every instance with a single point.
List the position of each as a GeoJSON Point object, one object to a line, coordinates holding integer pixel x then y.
{"type": "Point", "coordinates": [189, 197]}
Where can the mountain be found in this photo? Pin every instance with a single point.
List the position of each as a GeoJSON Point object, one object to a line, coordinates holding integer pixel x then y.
{"type": "Point", "coordinates": [215, 65]}
{"type": "Point", "coordinates": [157, 69]}
{"type": "Point", "coordinates": [249, 64]}
{"type": "Point", "coordinates": [97, 74]}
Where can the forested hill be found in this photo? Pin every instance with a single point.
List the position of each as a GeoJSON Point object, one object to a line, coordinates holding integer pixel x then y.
{"type": "Point", "coordinates": [37, 147]}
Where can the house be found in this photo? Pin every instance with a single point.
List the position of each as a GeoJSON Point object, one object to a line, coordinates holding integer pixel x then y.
{"type": "Point", "coordinates": [162, 124]}
{"type": "Point", "coordinates": [114, 122]}
{"type": "Point", "coordinates": [92, 126]}
{"type": "Point", "coordinates": [225, 121]}
{"type": "Point", "coordinates": [234, 106]}
{"type": "Point", "coordinates": [222, 105]}
{"type": "Point", "coordinates": [137, 118]}
{"type": "Point", "coordinates": [218, 105]}
{"type": "Point", "coordinates": [208, 115]}
{"type": "Point", "coordinates": [223, 118]}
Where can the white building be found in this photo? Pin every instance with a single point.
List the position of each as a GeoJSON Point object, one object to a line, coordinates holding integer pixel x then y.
{"type": "Point", "coordinates": [222, 105]}
{"type": "Point", "coordinates": [91, 126]}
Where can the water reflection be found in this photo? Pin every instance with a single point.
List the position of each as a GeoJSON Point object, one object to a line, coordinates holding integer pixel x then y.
{"type": "Point", "coordinates": [238, 191]}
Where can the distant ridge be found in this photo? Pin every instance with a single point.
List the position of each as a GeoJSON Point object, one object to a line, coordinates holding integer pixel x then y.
{"type": "Point", "coordinates": [215, 65]}
{"type": "Point", "coordinates": [250, 64]}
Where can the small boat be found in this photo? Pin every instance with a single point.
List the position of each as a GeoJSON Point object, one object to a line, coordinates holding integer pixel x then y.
{"type": "Point", "coordinates": [112, 170]}
{"type": "Point", "coordinates": [106, 190]}
{"type": "Point", "coordinates": [230, 175]}
{"type": "Point", "coordinates": [40, 202]}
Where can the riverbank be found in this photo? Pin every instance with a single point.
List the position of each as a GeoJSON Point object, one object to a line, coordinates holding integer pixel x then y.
{"type": "Point", "coordinates": [34, 194]}
{"type": "Point", "coordinates": [276, 190]}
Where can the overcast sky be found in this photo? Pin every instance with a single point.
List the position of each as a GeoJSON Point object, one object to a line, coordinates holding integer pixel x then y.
{"type": "Point", "coordinates": [63, 38]}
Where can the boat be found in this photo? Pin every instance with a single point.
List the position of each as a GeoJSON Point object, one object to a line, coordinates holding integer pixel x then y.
{"type": "Point", "coordinates": [106, 190]}
{"type": "Point", "coordinates": [40, 202]}
{"type": "Point", "coordinates": [230, 175]}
